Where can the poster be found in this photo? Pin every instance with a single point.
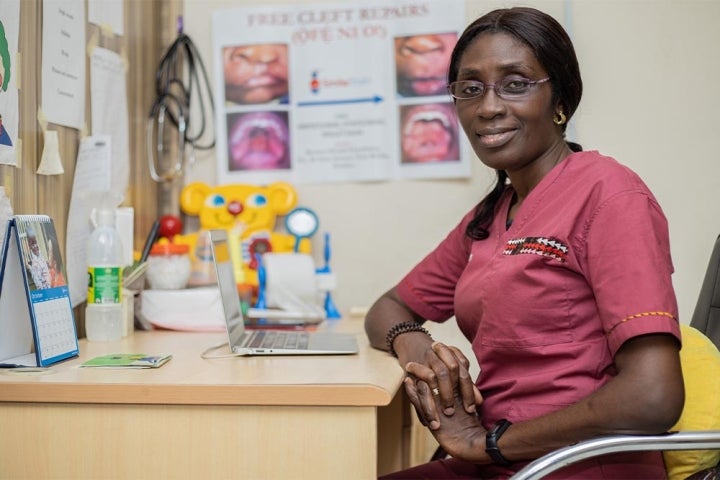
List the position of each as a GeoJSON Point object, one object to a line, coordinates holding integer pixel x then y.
{"type": "Point", "coordinates": [336, 92]}
{"type": "Point", "coordinates": [9, 28]}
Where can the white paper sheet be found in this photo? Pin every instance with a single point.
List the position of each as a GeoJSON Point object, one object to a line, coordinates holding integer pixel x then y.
{"type": "Point", "coordinates": [92, 175]}
{"type": "Point", "coordinates": [63, 62]}
{"type": "Point", "coordinates": [107, 13]}
{"type": "Point", "coordinates": [108, 105]}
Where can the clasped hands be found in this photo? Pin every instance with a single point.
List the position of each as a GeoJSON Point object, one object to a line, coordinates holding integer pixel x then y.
{"type": "Point", "coordinates": [446, 401]}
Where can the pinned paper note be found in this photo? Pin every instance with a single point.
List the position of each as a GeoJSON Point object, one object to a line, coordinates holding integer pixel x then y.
{"type": "Point", "coordinates": [50, 163]}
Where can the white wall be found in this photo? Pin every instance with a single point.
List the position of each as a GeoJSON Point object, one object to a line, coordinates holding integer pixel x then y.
{"type": "Point", "coordinates": [651, 73]}
{"type": "Point", "coordinates": [650, 68]}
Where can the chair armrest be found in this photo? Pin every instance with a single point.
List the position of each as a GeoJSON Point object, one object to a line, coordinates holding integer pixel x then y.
{"type": "Point", "coordinates": [700, 440]}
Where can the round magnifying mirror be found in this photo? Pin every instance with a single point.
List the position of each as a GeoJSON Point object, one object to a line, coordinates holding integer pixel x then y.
{"type": "Point", "coordinates": [301, 223]}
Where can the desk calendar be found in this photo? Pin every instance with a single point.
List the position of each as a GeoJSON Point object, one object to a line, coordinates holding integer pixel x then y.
{"type": "Point", "coordinates": [37, 325]}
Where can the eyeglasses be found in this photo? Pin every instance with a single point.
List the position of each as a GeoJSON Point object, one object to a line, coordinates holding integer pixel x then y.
{"type": "Point", "coordinates": [512, 87]}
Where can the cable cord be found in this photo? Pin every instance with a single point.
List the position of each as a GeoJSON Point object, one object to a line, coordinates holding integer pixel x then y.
{"type": "Point", "coordinates": [207, 356]}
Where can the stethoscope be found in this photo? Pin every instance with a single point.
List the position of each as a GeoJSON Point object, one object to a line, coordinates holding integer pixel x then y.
{"type": "Point", "coordinates": [172, 103]}
{"type": "Point", "coordinates": [156, 137]}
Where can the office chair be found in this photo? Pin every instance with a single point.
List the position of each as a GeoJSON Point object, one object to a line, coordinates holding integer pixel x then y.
{"type": "Point", "coordinates": [706, 317]}
{"type": "Point", "coordinates": [687, 449]}
{"type": "Point", "coordinates": [690, 450]}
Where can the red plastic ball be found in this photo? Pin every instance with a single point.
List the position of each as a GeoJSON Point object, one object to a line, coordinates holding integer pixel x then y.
{"type": "Point", "coordinates": [170, 225]}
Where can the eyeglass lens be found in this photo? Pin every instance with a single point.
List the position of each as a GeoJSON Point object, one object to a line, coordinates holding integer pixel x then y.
{"type": "Point", "coordinates": [509, 87]}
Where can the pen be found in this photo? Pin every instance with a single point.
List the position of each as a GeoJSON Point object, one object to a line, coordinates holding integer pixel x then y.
{"type": "Point", "coordinates": [22, 367]}
{"type": "Point", "coordinates": [11, 365]}
{"type": "Point", "coordinates": [152, 236]}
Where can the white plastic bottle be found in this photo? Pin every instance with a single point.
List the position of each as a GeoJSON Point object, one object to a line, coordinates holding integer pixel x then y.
{"type": "Point", "coordinates": [104, 312]}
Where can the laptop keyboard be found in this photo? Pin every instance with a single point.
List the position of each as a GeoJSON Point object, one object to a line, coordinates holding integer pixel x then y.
{"type": "Point", "coordinates": [281, 340]}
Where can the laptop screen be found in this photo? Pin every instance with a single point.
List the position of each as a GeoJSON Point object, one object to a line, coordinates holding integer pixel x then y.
{"type": "Point", "coordinates": [226, 283]}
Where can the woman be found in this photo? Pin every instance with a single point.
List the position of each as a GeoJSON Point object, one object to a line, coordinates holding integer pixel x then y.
{"type": "Point", "coordinates": [560, 278]}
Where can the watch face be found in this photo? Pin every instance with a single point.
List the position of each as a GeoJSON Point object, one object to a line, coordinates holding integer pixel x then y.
{"type": "Point", "coordinates": [500, 427]}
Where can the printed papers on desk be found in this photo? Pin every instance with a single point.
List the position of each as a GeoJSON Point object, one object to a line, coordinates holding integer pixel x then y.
{"type": "Point", "coordinates": [128, 360]}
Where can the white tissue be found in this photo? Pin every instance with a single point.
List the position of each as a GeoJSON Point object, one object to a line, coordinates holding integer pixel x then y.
{"type": "Point", "coordinates": [290, 281]}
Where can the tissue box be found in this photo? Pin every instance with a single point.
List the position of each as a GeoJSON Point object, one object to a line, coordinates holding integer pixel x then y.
{"type": "Point", "coordinates": [191, 309]}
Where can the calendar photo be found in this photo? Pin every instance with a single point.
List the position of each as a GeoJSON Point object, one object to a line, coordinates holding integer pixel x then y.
{"type": "Point", "coordinates": [43, 261]}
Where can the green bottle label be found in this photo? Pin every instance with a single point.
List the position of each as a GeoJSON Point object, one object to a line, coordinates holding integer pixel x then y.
{"type": "Point", "coordinates": [104, 284]}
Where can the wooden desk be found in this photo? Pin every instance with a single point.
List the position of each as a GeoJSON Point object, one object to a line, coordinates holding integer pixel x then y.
{"type": "Point", "coordinates": [239, 417]}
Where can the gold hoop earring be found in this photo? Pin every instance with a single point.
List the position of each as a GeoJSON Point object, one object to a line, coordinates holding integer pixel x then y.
{"type": "Point", "coordinates": [559, 118]}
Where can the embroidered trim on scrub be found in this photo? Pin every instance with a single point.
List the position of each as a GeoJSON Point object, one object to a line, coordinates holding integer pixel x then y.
{"type": "Point", "coordinates": [543, 246]}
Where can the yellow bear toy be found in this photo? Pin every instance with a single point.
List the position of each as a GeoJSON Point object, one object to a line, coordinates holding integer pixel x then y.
{"type": "Point", "coordinates": [249, 214]}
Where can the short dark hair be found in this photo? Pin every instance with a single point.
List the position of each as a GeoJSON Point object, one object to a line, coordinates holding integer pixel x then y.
{"type": "Point", "coordinates": [547, 39]}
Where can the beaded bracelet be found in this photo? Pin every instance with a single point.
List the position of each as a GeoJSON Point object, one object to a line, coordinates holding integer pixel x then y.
{"type": "Point", "coordinates": [401, 328]}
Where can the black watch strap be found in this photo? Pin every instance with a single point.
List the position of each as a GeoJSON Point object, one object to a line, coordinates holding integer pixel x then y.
{"type": "Point", "coordinates": [491, 438]}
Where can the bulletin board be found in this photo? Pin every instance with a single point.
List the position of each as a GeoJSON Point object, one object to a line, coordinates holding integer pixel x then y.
{"type": "Point", "coordinates": [149, 27]}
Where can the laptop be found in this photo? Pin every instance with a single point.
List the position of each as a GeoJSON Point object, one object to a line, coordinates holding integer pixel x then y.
{"type": "Point", "coordinates": [266, 342]}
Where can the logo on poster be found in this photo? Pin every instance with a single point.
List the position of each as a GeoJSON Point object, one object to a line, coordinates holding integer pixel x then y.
{"type": "Point", "coordinates": [316, 83]}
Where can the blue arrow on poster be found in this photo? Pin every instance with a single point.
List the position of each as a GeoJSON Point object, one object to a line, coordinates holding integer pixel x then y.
{"type": "Point", "coordinates": [373, 99]}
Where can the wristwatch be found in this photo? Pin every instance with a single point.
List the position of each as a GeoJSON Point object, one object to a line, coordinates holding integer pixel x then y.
{"type": "Point", "coordinates": [491, 438]}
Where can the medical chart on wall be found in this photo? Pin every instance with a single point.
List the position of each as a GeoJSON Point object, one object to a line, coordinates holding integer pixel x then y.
{"type": "Point", "coordinates": [9, 28]}
{"type": "Point", "coordinates": [63, 62]}
{"type": "Point", "coordinates": [337, 92]}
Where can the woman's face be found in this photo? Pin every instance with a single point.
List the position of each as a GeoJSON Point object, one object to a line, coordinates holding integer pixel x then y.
{"type": "Point", "coordinates": [512, 134]}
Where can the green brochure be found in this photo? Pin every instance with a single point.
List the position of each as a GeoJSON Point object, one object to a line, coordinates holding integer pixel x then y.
{"type": "Point", "coordinates": [128, 360]}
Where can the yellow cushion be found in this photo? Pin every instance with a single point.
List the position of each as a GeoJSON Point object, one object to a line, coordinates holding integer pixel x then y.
{"type": "Point", "coordinates": [701, 370]}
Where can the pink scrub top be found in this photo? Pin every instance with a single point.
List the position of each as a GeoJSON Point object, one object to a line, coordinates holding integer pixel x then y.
{"type": "Point", "coordinates": [547, 302]}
